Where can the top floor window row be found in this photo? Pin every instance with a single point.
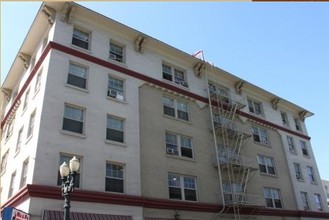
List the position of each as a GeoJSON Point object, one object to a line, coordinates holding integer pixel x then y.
{"type": "Point", "coordinates": [174, 74]}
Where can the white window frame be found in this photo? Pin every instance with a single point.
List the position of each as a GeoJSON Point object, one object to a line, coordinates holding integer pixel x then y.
{"type": "Point", "coordinates": [26, 100]}
{"type": "Point", "coordinates": [82, 40]}
{"type": "Point", "coordinates": [86, 70]}
{"type": "Point", "coordinates": [113, 88]}
{"type": "Point", "coordinates": [174, 74]}
{"type": "Point", "coordinates": [12, 184]}
{"type": "Point", "coordinates": [298, 125]}
{"type": "Point", "coordinates": [272, 194]}
{"type": "Point", "coordinates": [252, 106]}
{"type": "Point", "coordinates": [19, 140]}
{"type": "Point", "coordinates": [298, 172]}
{"type": "Point", "coordinates": [267, 163]}
{"type": "Point", "coordinates": [284, 119]}
{"type": "Point", "coordinates": [317, 202]}
{"type": "Point", "coordinates": [83, 110]}
{"type": "Point", "coordinates": [179, 145]}
{"type": "Point", "coordinates": [179, 182]}
{"type": "Point", "coordinates": [116, 55]}
{"type": "Point", "coordinates": [306, 204]}
{"type": "Point", "coordinates": [311, 175]}
{"type": "Point", "coordinates": [175, 103]}
{"type": "Point", "coordinates": [108, 126]}
{"type": "Point", "coordinates": [304, 148]}
{"type": "Point", "coordinates": [10, 127]}
{"type": "Point", "coordinates": [24, 174]}
{"type": "Point", "coordinates": [31, 125]}
{"type": "Point", "coordinates": [115, 174]}
{"type": "Point", "coordinates": [291, 144]}
{"type": "Point", "coordinates": [4, 160]}
{"type": "Point", "coordinates": [262, 135]}
{"type": "Point", "coordinates": [38, 82]}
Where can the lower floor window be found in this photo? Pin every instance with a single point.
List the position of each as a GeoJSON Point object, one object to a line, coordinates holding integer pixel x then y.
{"type": "Point", "coordinates": [317, 200]}
{"type": "Point", "coordinates": [66, 158]}
{"type": "Point", "coordinates": [114, 181]}
{"type": "Point", "coordinates": [272, 197]}
{"type": "Point", "coordinates": [182, 187]}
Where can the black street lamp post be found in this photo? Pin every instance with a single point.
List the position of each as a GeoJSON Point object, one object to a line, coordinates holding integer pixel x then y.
{"type": "Point", "coordinates": [68, 174]}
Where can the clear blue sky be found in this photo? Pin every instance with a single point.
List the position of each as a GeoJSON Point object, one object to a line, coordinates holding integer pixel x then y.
{"type": "Point", "coordinates": [281, 47]}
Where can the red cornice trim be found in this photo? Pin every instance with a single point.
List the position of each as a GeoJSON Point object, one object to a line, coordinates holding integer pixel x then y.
{"type": "Point", "coordinates": [27, 82]}
{"type": "Point", "coordinates": [51, 192]}
{"type": "Point", "coordinates": [104, 63]}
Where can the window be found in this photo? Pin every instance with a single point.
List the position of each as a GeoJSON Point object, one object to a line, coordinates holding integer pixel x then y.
{"type": "Point", "coordinates": [19, 140]}
{"type": "Point", "coordinates": [317, 201]}
{"type": "Point", "coordinates": [115, 88]}
{"type": "Point", "coordinates": [80, 38]}
{"type": "Point", "coordinates": [26, 100]}
{"type": "Point", "coordinates": [310, 174]}
{"type": "Point", "coordinates": [266, 164]}
{"type": "Point", "coordinates": [179, 145]}
{"type": "Point", "coordinates": [304, 148]}
{"type": "Point", "coordinates": [115, 129]}
{"type": "Point", "coordinates": [38, 82]}
{"type": "Point", "coordinates": [272, 198]}
{"type": "Point", "coordinates": [116, 52]}
{"type": "Point", "coordinates": [255, 107]}
{"type": "Point", "coordinates": [31, 125]}
{"type": "Point", "coordinates": [66, 158]}
{"type": "Point", "coordinates": [305, 200]}
{"type": "Point", "coordinates": [298, 171]}
{"type": "Point", "coordinates": [291, 144]}
{"type": "Point", "coordinates": [77, 76]}
{"type": "Point", "coordinates": [175, 108]}
{"type": "Point", "coordinates": [12, 184]}
{"type": "Point", "coordinates": [73, 119]}
{"type": "Point", "coordinates": [175, 75]}
{"type": "Point", "coordinates": [114, 181]}
{"type": "Point", "coordinates": [10, 127]}
{"type": "Point", "coordinates": [297, 124]}
{"type": "Point", "coordinates": [4, 162]}
{"type": "Point", "coordinates": [260, 135]}
{"type": "Point", "coordinates": [284, 119]}
{"type": "Point", "coordinates": [231, 189]}
{"type": "Point", "coordinates": [182, 187]}
{"type": "Point", "coordinates": [24, 173]}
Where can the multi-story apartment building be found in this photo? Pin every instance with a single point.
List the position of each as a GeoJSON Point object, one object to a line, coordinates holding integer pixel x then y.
{"type": "Point", "coordinates": [160, 134]}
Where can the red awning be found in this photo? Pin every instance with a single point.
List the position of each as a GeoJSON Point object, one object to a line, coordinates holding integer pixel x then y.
{"type": "Point", "coordinates": [58, 215]}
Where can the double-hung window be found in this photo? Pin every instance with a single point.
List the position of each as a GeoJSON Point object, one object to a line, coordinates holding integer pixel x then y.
{"type": "Point", "coordinates": [272, 198]}
{"type": "Point", "coordinates": [297, 124]}
{"type": "Point", "coordinates": [73, 119]}
{"type": "Point", "coordinates": [31, 125]}
{"type": "Point", "coordinates": [77, 75]}
{"type": "Point", "coordinates": [10, 127]}
{"type": "Point", "coordinates": [24, 173]}
{"type": "Point", "coordinates": [260, 135]}
{"type": "Point", "coordinates": [304, 148]}
{"type": "Point", "coordinates": [233, 192]}
{"type": "Point", "coordinates": [174, 75]}
{"type": "Point", "coordinates": [291, 144]}
{"type": "Point", "coordinates": [304, 197]}
{"type": "Point", "coordinates": [115, 129]}
{"type": "Point", "coordinates": [255, 107]}
{"type": "Point", "coordinates": [298, 171]}
{"type": "Point", "coordinates": [81, 38]}
{"type": "Point", "coordinates": [284, 119]}
{"type": "Point", "coordinates": [66, 158]}
{"type": "Point", "coordinates": [317, 201]}
{"type": "Point", "coordinates": [115, 88]}
{"type": "Point", "coordinates": [175, 108]}
{"type": "Point", "coordinates": [114, 179]}
{"type": "Point", "coordinates": [4, 162]}
{"type": "Point", "coordinates": [116, 52]}
{"type": "Point", "coordinates": [38, 82]}
{"type": "Point", "coordinates": [12, 184]}
{"type": "Point", "coordinates": [26, 100]}
{"type": "Point", "coordinates": [266, 164]}
{"type": "Point", "coordinates": [19, 140]}
{"type": "Point", "coordinates": [179, 145]}
{"type": "Point", "coordinates": [310, 174]}
{"type": "Point", "coordinates": [182, 187]}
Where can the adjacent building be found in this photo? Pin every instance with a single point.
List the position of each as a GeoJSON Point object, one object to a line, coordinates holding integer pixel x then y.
{"type": "Point", "coordinates": [159, 134]}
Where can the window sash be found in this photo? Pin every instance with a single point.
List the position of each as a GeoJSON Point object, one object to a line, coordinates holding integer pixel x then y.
{"type": "Point", "coordinates": [4, 161]}
{"type": "Point", "coordinates": [12, 184]}
{"type": "Point", "coordinates": [31, 125]}
{"type": "Point", "coordinates": [182, 187]}
{"type": "Point", "coordinates": [317, 201]}
{"type": "Point", "coordinates": [24, 173]}
{"type": "Point", "coordinates": [117, 51]}
{"type": "Point", "coordinates": [305, 200]}
{"type": "Point", "coordinates": [310, 173]}
{"type": "Point", "coordinates": [80, 38]}
{"type": "Point", "coordinates": [116, 84]}
{"type": "Point", "coordinates": [272, 197]}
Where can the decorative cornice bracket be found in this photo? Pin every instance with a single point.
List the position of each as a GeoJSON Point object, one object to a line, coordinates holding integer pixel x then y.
{"type": "Point", "coordinates": [139, 42]}
{"type": "Point", "coordinates": [238, 87]}
{"type": "Point", "coordinates": [50, 13]}
{"type": "Point", "coordinates": [302, 115]}
{"type": "Point", "coordinates": [26, 59]}
{"type": "Point", "coordinates": [67, 11]}
{"type": "Point", "coordinates": [275, 102]}
{"type": "Point", "coordinates": [199, 68]}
